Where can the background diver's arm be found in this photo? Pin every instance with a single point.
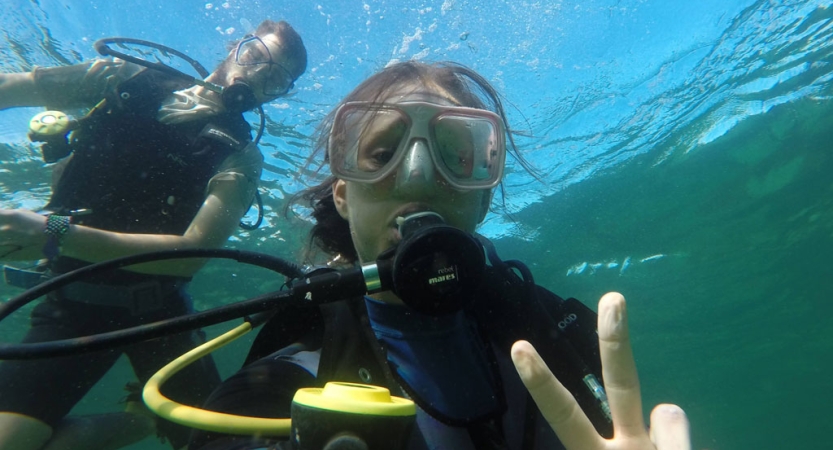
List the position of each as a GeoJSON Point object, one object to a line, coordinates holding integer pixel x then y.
{"type": "Point", "coordinates": [19, 89]}
{"type": "Point", "coordinates": [76, 86]}
{"type": "Point", "coordinates": [216, 220]}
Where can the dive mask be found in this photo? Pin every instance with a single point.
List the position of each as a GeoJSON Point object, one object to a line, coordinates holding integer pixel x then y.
{"type": "Point", "coordinates": [252, 51]}
{"type": "Point", "coordinates": [368, 141]}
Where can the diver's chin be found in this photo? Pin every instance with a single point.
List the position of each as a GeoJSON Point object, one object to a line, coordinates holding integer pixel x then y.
{"type": "Point", "coordinates": [391, 239]}
{"type": "Point", "coordinates": [395, 237]}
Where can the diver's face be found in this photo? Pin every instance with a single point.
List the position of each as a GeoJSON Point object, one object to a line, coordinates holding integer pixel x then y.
{"type": "Point", "coordinates": [372, 208]}
{"type": "Point", "coordinates": [264, 65]}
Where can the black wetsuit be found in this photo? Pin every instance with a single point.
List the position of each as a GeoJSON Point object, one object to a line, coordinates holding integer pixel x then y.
{"type": "Point", "coordinates": [132, 174]}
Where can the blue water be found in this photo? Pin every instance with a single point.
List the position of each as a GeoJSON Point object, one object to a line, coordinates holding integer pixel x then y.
{"type": "Point", "coordinates": [686, 149]}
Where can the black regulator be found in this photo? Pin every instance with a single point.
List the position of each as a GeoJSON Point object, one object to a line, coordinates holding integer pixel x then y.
{"type": "Point", "coordinates": [435, 269]}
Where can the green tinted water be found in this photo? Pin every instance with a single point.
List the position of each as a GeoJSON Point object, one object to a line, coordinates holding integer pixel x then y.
{"type": "Point", "coordinates": [733, 323]}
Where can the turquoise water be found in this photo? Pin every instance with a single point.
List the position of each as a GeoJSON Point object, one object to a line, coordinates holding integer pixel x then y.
{"type": "Point", "coordinates": [685, 148]}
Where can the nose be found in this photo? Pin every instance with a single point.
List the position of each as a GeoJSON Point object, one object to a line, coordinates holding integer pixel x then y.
{"type": "Point", "coordinates": [417, 169]}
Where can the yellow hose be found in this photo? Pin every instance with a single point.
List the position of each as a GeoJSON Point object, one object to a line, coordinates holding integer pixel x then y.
{"type": "Point", "coordinates": [200, 418]}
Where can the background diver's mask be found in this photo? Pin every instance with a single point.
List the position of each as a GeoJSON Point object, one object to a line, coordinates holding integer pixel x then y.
{"type": "Point", "coordinates": [369, 141]}
{"type": "Point", "coordinates": [253, 53]}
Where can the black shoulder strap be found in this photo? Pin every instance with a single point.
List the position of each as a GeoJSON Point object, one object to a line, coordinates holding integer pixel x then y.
{"type": "Point", "coordinates": [289, 324]}
{"type": "Point", "coordinates": [350, 351]}
{"type": "Point", "coordinates": [562, 331]}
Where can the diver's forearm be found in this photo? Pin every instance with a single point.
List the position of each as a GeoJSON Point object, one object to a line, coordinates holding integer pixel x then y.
{"type": "Point", "coordinates": [19, 89]}
{"type": "Point", "coordinates": [94, 245]}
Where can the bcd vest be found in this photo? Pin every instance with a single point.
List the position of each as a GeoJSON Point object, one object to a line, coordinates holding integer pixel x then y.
{"type": "Point", "coordinates": [134, 174]}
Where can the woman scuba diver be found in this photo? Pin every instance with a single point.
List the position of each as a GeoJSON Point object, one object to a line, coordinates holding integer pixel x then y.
{"type": "Point", "coordinates": [430, 140]}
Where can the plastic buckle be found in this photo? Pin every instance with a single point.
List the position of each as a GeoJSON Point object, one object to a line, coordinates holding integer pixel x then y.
{"type": "Point", "coordinates": [145, 297]}
{"type": "Point", "coordinates": [23, 278]}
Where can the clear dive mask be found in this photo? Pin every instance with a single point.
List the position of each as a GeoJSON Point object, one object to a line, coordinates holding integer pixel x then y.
{"type": "Point", "coordinates": [368, 141]}
{"type": "Point", "coordinates": [252, 51]}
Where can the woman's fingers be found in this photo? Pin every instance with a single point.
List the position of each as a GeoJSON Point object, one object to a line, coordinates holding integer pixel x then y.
{"type": "Point", "coordinates": [618, 368]}
{"type": "Point", "coordinates": [669, 428]}
{"type": "Point", "coordinates": [556, 403]}
{"type": "Point", "coordinates": [669, 425]}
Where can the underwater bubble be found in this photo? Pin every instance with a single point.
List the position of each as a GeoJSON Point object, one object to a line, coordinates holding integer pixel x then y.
{"type": "Point", "coordinates": [652, 258]}
{"type": "Point", "coordinates": [446, 6]}
{"type": "Point", "coordinates": [246, 24]}
{"type": "Point", "coordinates": [625, 264]}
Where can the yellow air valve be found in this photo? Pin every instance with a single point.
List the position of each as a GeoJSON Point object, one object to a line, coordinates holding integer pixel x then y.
{"type": "Point", "coordinates": [350, 415]}
{"type": "Point", "coordinates": [48, 125]}
{"type": "Point", "coordinates": [51, 128]}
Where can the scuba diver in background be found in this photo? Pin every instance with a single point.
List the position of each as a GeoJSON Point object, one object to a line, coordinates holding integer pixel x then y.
{"type": "Point", "coordinates": [414, 139]}
{"type": "Point", "coordinates": [158, 164]}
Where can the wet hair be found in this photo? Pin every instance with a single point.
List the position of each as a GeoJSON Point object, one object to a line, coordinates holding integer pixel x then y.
{"type": "Point", "coordinates": [290, 41]}
{"type": "Point", "coordinates": [463, 86]}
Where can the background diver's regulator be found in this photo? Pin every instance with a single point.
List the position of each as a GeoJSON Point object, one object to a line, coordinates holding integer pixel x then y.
{"type": "Point", "coordinates": [51, 129]}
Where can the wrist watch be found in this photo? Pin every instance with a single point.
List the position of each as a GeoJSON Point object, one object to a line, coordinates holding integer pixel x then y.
{"type": "Point", "coordinates": [56, 227]}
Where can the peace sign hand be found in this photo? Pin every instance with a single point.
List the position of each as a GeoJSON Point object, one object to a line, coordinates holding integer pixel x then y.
{"type": "Point", "coordinates": [669, 425]}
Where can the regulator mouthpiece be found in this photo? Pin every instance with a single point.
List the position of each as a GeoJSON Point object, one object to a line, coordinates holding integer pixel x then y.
{"type": "Point", "coordinates": [437, 268]}
{"type": "Point", "coordinates": [239, 97]}
{"type": "Point", "coordinates": [413, 222]}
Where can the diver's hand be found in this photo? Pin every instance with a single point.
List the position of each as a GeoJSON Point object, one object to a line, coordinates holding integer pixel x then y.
{"type": "Point", "coordinates": [21, 235]}
{"type": "Point", "coordinates": [669, 425]}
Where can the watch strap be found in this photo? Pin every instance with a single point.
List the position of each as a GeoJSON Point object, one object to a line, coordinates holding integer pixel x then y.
{"type": "Point", "coordinates": [56, 227]}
